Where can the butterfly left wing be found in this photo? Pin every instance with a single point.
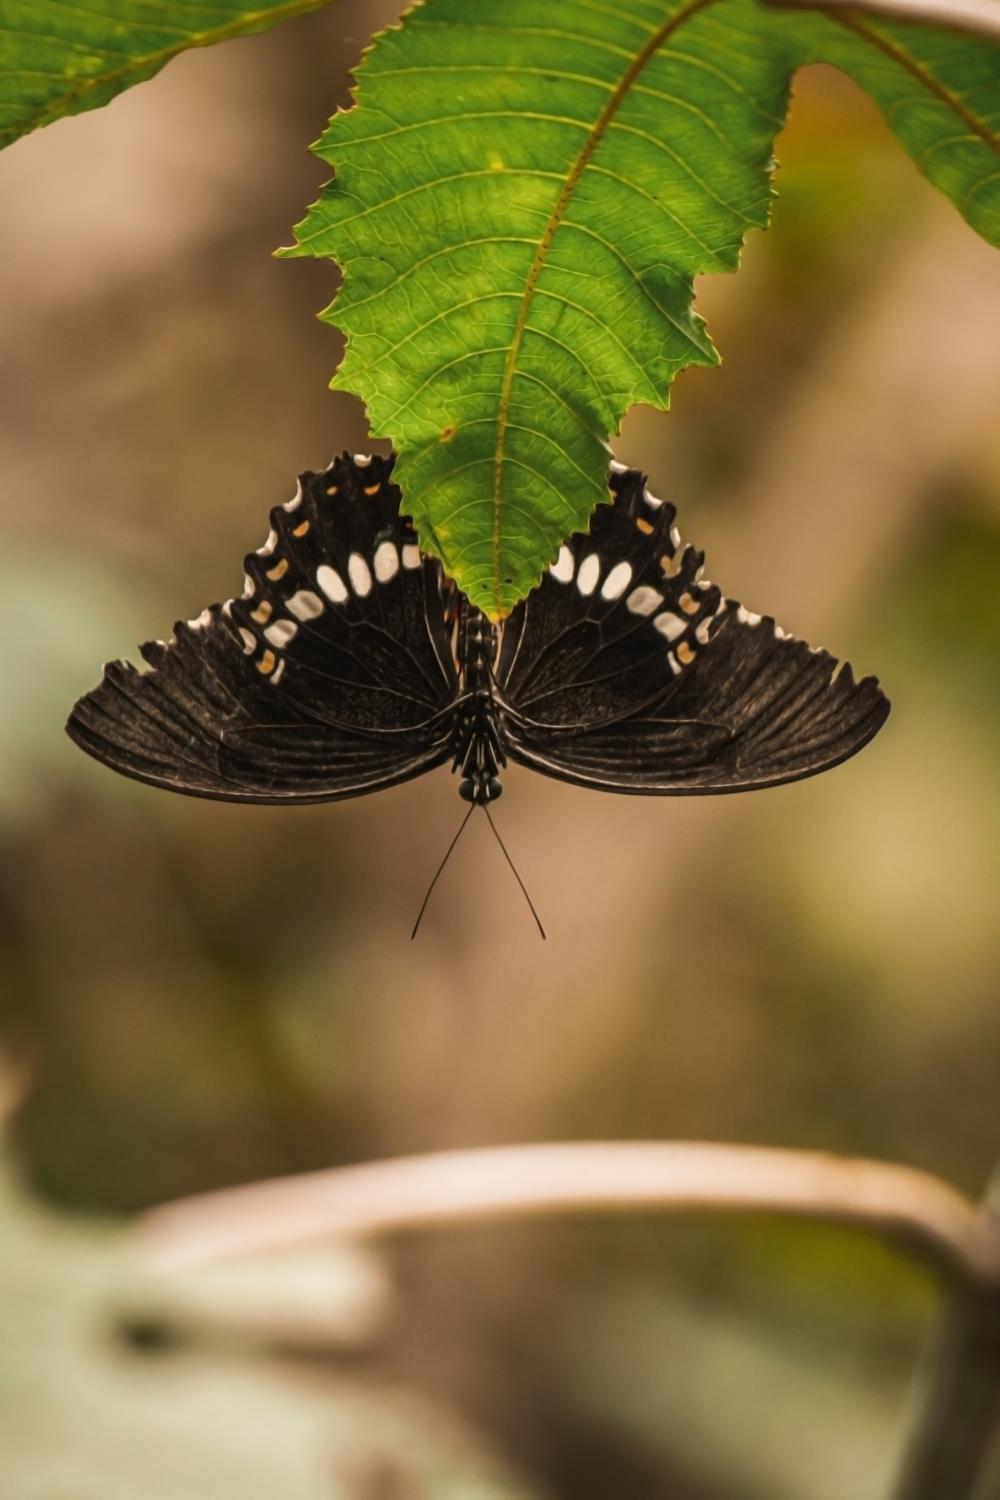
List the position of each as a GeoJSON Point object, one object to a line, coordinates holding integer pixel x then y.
{"type": "Point", "coordinates": [627, 671]}
{"type": "Point", "coordinates": [331, 676]}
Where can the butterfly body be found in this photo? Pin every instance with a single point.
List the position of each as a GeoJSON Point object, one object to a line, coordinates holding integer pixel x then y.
{"type": "Point", "coordinates": [350, 663]}
{"type": "Point", "coordinates": [478, 740]}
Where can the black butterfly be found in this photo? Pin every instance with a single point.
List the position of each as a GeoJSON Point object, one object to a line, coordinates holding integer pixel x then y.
{"type": "Point", "coordinates": [350, 663]}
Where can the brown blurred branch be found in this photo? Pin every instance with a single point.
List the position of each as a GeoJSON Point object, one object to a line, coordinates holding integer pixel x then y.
{"type": "Point", "coordinates": [921, 1214]}
{"type": "Point", "coordinates": [950, 1447]}
{"type": "Point", "coordinates": [979, 16]}
{"type": "Point", "coordinates": [950, 1450]}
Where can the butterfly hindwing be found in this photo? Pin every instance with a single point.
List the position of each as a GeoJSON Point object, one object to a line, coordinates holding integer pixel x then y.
{"type": "Point", "coordinates": [330, 676]}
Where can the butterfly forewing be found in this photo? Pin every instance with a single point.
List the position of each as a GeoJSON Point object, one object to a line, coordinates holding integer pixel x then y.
{"type": "Point", "coordinates": [330, 676]}
{"type": "Point", "coordinates": [340, 594]}
{"type": "Point", "coordinates": [614, 621]}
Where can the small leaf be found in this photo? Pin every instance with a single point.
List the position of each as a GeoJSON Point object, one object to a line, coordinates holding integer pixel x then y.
{"type": "Point", "coordinates": [58, 59]}
{"type": "Point", "coordinates": [523, 197]}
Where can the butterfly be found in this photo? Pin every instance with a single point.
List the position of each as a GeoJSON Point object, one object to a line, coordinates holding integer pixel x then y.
{"type": "Point", "coordinates": [350, 662]}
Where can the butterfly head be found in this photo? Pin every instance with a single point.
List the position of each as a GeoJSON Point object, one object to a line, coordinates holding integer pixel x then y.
{"type": "Point", "coordinates": [480, 788]}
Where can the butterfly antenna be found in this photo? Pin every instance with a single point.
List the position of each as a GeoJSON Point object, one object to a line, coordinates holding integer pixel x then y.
{"type": "Point", "coordinates": [437, 876]}
{"type": "Point", "coordinates": [524, 892]}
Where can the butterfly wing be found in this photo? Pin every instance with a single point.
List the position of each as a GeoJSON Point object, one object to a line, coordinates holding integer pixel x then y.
{"type": "Point", "coordinates": [331, 676]}
{"type": "Point", "coordinates": [627, 671]}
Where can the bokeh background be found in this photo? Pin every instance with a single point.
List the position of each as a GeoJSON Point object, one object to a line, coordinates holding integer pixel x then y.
{"type": "Point", "coordinates": [197, 995]}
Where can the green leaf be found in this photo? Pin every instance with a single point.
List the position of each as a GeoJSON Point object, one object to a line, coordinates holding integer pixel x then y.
{"type": "Point", "coordinates": [58, 59]}
{"type": "Point", "coordinates": [522, 199]}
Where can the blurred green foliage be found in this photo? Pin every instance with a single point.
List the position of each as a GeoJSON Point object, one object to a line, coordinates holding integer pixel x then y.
{"type": "Point", "coordinates": [85, 1414]}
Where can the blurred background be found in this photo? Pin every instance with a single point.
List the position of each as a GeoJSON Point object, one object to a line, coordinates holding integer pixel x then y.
{"type": "Point", "coordinates": [196, 995]}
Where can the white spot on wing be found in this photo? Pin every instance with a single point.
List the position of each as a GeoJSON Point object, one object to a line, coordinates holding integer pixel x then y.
{"type": "Point", "coordinates": [747, 616]}
{"type": "Point", "coordinates": [651, 500]}
{"type": "Point", "coordinates": [293, 504]}
{"type": "Point", "coordinates": [643, 600]}
{"type": "Point", "coordinates": [249, 587]}
{"type": "Point", "coordinates": [411, 556]}
{"type": "Point", "coordinates": [701, 631]}
{"type": "Point", "coordinates": [563, 568]}
{"type": "Point", "coordinates": [675, 665]}
{"type": "Point", "coordinates": [305, 605]}
{"type": "Point", "coordinates": [675, 538]}
{"type": "Point", "coordinates": [249, 640]}
{"type": "Point", "coordinates": [670, 625]}
{"type": "Point", "coordinates": [281, 632]}
{"type": "Point", "coordinates": [589, 573]}
{"type": "Point", "coordinates": [331, 583]}
{"type": "Point", "coordinates": [386, 561]}
{"type": "Point", "coordinates": [360, 574]}
{"type": "Point", "coordinates": [618, 468]}
{"type": "Point", "coordinates": [362, 460]}
{"type": "Point", "coordinates": [276, 674]}
{"type": "Point", "coordinates": [617, 581]}
{"type": "Point", "coordinates": [269, 545]}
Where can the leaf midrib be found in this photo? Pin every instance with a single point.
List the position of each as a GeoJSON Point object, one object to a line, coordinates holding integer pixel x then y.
{"type": "Point", "coordinates": [850, 21]}
{"type": "Point", "coordinates": [594, 136]}
{"type": "Point", "coordinates": [898, 54]}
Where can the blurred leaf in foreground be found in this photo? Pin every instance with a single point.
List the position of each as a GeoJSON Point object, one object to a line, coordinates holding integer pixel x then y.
{"type": "Point", "coordinates": [82, 1417]}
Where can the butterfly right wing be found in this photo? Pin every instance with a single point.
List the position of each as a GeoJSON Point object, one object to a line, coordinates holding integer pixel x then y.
{"type": "Point", "coordinates": [330, 677]}
{"type": "Point", "coordinates": [626, 671]}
